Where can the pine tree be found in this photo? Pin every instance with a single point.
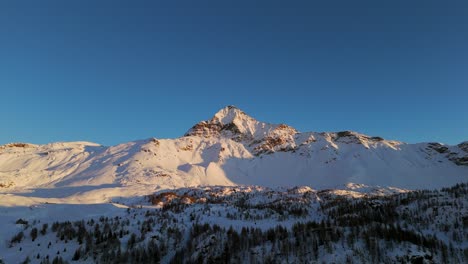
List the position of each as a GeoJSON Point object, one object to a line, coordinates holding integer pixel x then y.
{"type": "Point", "coordinates": [33, 234]}
{"type": "Point", "coordinates": [17, 238]}
{"type": "Point", "coordinates": [44, 229]}
{"type": "Point", "coordinates": [26, 261]}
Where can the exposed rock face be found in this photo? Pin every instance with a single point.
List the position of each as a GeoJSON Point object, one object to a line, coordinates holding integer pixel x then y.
{"type": "Point", "coordinates": [461, 161]}
{"type": "Point", "coordinates": [457, 157]}
{"type": "Point", "coordinates": [359, 138]}
{"type": "Point", "coordinates": [463, 146]}
{"type": "Point", "coordinates": [6, 184]}
{"type": "Point", "coordinates": [280, 138]}
{"type": "Point", "coordinates": [464, 159]}
{"type": "Point", "coordinates": [438, 147]}
{"type": "Point", "coordinates": [204, 129]}
{"type": "Point", "coordinates": [17, 145]}
{"type": "Point", "coordinates": [350, 137]}
{"type": "Point", "coordinates": [227, 122]}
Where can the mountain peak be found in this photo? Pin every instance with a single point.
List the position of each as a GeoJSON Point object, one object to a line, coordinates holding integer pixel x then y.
{"type": "Point", "coordinates": [231, 122]}
{"type": "Point", "coordinates": [229, 114]}
{"type": "Point", "coordinates": [229, 119]}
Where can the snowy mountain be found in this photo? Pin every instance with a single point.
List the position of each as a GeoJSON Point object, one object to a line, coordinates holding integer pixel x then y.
{"type": "Point", "coordinates": [232, 148]}
{"type": "Point", "coordinates": [235, 190]}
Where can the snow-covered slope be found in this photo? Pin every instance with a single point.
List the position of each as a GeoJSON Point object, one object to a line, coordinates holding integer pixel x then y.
{"type": "Point", "coordinates": [230, 149]}
{"type": "Point", "coordinates": [246, 224]}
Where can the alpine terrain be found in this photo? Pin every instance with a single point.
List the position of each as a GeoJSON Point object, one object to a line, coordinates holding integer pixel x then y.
{"type": "Point", "coordinates": [235, 190]}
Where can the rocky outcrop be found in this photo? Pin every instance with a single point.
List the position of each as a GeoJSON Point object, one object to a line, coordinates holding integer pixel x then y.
{"type": "Point", "coordinates": [463, 160]}
{"type": "Point", "coordinates": [281, 138]}
{"type": "Point", "coordinates": [460, 161]}
{"type": "Point", "coordinates": [17, 145]}
{"type": "Point", "coordinates": [354, 137]}
{"type": "Point", "coordinates": [438, 147]}
{"type": "Point", "coordinates": [463, 146]}
{"type": "Point", "coordinates": [7, 184]}
{"type": "Point", "coordinates": [457, 157]}
{"type": "Point", "coordinates": [204, 129]}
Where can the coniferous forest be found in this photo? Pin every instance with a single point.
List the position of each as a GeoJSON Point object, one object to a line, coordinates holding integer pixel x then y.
{"type": "Point", "coordinates": [262, 226]}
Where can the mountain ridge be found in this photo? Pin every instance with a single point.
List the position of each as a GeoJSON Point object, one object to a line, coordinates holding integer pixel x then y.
{"type": "Point", "coordinates": [233, 148]}
{"type": "Point", "coordinates": [228, 116]}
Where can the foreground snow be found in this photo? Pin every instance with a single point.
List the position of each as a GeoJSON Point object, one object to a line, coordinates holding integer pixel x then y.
{"type": "Point", "coordinates": [245, 224]}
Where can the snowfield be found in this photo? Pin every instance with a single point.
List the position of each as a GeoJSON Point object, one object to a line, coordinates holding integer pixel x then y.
{"type": "Point", "coordinates": [233, 172]}
{"type": "Point", "coordinates": [249, 224]}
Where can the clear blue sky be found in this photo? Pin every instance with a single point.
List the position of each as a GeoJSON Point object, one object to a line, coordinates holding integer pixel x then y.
{"type": "Point", "coordinates": [115, 71]}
